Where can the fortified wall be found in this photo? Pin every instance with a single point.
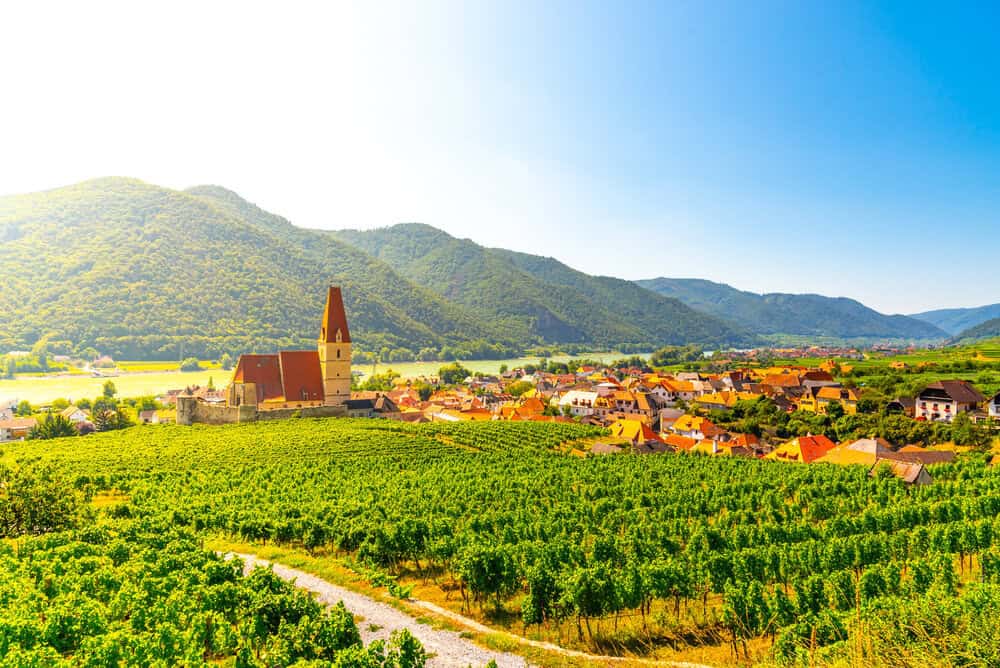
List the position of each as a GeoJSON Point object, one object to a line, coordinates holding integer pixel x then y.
{"type": "Point", "coordinates": [190, 411]}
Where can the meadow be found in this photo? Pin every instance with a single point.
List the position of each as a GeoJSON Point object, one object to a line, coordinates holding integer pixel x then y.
{"type": "Point", "coordinates": [683, 557]}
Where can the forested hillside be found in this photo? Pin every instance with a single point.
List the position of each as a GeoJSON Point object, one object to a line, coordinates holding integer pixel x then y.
{"type": "Point", "coordinates": [557, 302]}
{"type": "Point", "coordinates": [794, 314]}
{"type": "Point", "coordinates": [139, 271]}
{"type": "Point", "coordinates": [985, 330]}
{"type": "Point", "coordinates": [956, 320]}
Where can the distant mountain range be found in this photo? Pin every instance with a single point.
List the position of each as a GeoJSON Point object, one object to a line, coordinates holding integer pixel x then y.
{"type": "Point", "coordinates": [984, 330]}
{"type": "Point", "coordinates": [956, 320]}
{"type": "Point", "coordinates": [140, 271]}
{"type": "Point", "coordinates": [803, 315]}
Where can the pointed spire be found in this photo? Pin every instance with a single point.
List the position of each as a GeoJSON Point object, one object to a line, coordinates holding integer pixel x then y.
{"type": "Point", "coordinates": [334, 318]}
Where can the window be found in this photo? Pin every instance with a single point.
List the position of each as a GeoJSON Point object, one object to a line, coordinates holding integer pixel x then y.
{"type": "Point", "coordinates": [338, 353]}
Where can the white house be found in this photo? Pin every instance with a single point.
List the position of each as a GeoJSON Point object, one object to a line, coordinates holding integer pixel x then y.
{"type": "Point", "coordinates": [75, 415]}
{"type": "Point", "coordinates": [580, 402]}
{"type": "Point", "coordinates": [994, 407]}
{"type": "Point", "coordinates": [943, 400]}
{"type": "Point", "coordinates": [7, 409]}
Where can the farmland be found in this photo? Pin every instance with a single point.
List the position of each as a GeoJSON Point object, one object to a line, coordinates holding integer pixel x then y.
{"type": "Point", "coordinates": [662, 556]}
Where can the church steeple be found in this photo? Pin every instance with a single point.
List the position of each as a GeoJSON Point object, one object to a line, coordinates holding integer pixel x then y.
{"type": "Point", "coordinates": [335, 350]}
{"type": "Point", "coordinates": [334, 328]}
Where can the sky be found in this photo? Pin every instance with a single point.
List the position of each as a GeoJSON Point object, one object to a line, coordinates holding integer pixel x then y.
{"type": "Point", "coordinates": [842, 148]}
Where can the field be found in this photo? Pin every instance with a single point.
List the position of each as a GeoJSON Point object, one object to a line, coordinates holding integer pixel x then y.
{"type": "Point", "coordinates": [43, 389]}
{"type": "Point", "coordinates": [153, 378]}
{"type": "Point", "coordinates": [681, 557]}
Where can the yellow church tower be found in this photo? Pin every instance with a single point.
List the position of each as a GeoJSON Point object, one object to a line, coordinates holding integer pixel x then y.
{"type": "Point", "coordinates": [335, 351]}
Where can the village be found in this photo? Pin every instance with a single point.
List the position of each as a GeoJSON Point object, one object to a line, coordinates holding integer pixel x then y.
{"type": "Point", "coordinates": [644, 411]}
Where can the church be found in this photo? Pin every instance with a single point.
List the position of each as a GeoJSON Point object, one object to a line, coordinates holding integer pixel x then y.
{"type": "Point", "coordinates": [293, 379]}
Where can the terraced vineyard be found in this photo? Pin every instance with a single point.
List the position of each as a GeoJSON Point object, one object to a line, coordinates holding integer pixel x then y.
{"type": "Point", "coordinates": [613, 552]}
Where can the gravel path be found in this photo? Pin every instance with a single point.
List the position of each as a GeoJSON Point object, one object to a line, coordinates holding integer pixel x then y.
{"type": "Point", "coordinates": [448, 648]}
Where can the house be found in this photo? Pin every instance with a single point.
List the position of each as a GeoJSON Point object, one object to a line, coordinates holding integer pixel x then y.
{"type": "Point", "coordinates": [804, 449]}
{"type": "Point", "coordinates": [633, 430]}
{"type": "Point", "coordinates": [75, 415]}
{"type": "Point", "coordinates": [7, 409]}
{"type": "Point", "coordinates": [943, 400]}
{"type": "Point", "coordinates": [579, 402]}
{"type": "Point", "coordinates": [16, 428]}
{"type": "Point", "coordinates": [157, 416]}
{"type": "Point", "coordinates": [911, 473]}
{"type": "Point", "coordinates": [903, 405]}
{"type": "Point", "coordinates": [695, 427]}
{"type": "Point", "coordinates": [862, 451]}
{"type": "Point", "coordinates": [724, 400]}
{"type": "Point", "coordinates": [845, 396]}
{"type": "Point", "coordinates": [993, 409]}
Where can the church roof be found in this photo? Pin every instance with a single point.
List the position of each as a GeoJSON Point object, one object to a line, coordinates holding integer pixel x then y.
{"type": "Point", "coordinates": [334, 318]}
{"type": "Point", "coordinates": [301, 377]}
{"type": "Point", "coordinates": [264, 371]}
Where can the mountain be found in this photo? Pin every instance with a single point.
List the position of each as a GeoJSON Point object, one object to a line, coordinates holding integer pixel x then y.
{"type": "Point", "coordinates": [142, 271]}
{"type": "Point", "coordinates": [145, 272]}
{"type": "Point", "coordinates": [984, 330]}
{"type": "Point", "coordinates": [792, 314]}
{"type": "Point", "coordinates": [557, 303]}
{"type": "Point", "coordinates": [955, 320]}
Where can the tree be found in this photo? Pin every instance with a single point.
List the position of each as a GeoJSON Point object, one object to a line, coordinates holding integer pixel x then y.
{"type": "Point", "coordinates": [503, 368]}
{"type": "Point", "coordinates": [191, 364]}
{"type": "Point", "coordinates": [11, 368]}
{"type": "Point", "coordinates": [454, 373]}
{"type": "Point", "coordinates": [109, 389]}
{"type": "Point", "coordinates": [24, 408]}
{"type": "Point", "coordinates": [53, 426]}
{"type": "Point", "coordinates": [226, 362]}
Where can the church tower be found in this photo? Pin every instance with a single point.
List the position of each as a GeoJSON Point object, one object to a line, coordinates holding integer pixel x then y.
{"type": "Point", "coordinates": [335, 351]}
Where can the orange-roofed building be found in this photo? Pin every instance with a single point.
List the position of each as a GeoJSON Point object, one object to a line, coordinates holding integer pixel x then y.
{"type": "Point", "coordinates": [679, 442]}
{"type": "Point", "coordinates": [299, 378]}
{"type": "Point", "coordinates": [633, 430]}
{"type": "Point", "coordinates": [804, 449]}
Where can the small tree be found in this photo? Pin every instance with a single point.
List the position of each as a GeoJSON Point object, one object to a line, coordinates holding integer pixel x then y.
{"type": "Point", "coordinates": [53, 426]}
{"type": "Point", "coordinates": [191, 364]}
{"type": "Point", "coordinates": [109, 389]}
{"type": "Point", "coordinates": [226, 362]}
{"type": "Point", "coordinates": [24, 408]}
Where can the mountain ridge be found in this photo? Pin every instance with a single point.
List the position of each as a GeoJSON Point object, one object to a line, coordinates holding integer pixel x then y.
{"type": "Point", "coordinates": [782, 313]}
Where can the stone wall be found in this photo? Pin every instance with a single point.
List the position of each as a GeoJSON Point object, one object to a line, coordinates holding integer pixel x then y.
{"type": "Point", "coordinates": [191, 411]}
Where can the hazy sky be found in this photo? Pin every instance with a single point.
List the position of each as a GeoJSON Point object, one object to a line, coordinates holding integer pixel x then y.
{"type": "Point", "coordinates": [846, 149]}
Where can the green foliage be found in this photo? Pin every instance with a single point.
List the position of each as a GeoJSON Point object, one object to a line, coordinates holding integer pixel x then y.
{"type": "Point", "coordinates": [140, 593]}
{"type": "Point", "coordinates": [191, 364]}
{"type": "Point", "coordinates": [35, 500]}
{"type": "Point", "coordinates": [453, 374]}
{"type": "Point", "coordinates": [109, 389]}
{"type": "Point", "coordinates": [52, 425]}
{"type": "Point", "coordinates": [676, 354]}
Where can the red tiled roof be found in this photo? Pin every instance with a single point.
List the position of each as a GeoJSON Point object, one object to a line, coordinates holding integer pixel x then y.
{"type": "Point", "coordinates": [301, 378]}
{"type": "Point", "coordinates": [334, 318]}
{"type": "Point", "coordinates": [265, 371]}
{"type": "Point", "coordinates": [814, 447]}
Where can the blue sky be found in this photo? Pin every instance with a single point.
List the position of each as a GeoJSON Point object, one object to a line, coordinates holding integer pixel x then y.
{"type": "Point", "coordinates": [848, 149]}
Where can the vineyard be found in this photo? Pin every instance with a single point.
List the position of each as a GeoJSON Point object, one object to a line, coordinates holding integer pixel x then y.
{"type": "Point", "coordinates": [774, 562]}
{"type": "Point", "coordinates": [144, 594]}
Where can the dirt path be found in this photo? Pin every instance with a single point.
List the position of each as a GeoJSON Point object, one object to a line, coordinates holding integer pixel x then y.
{"type": "Point", "coordinates": [450, 649]}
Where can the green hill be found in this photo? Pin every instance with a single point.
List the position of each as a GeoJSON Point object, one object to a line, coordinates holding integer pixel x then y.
{"type": "Point", "coordinates": [984, 330]}
{"type": "Point", "coordinates": [957, 320]}
{"type": "Point", "coordinates": [557, 303]}
{"type": "Point", "coordinates": [140, 271]}
{"type": "Point", "coordinates": [792, 314]}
